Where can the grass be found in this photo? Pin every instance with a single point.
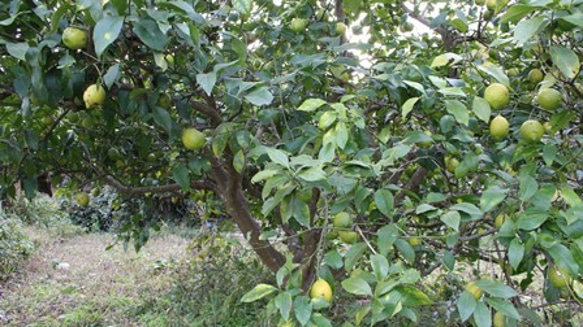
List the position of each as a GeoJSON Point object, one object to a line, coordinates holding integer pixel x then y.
{"type": "Point", "coordinates": [74, 281]}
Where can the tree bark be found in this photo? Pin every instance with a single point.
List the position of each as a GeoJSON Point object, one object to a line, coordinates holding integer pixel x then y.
{"type": "Point", "coordinates": [238, 208]}
{"type": "Point", "coordinates": [231, 190]}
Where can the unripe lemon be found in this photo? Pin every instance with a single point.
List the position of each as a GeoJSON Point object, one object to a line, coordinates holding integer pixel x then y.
{"type": "Point", "coordinates": [559, 277]}
{"type": "Point", "coordinates": [499, 320]}
{"type": "Point", "coordinates": [73, 117]}
{"type": "Point", "coordinates": [94, 95]}
{"type": "Point", "coordinates": [548, 127]}
{"type": "Point", "coordinates": [342, 220]}
{"type": "Point", "coordinates": [47, 120]}
{"type": "Point", "coordinates": [82, 199]}
{"type": "Point", "coordinates": [500, 219]}
{"type": "Point", "coordinates": [492, 5]}
{"type": "Point", "coordinates": [513, 72]}
{"type": "Point", "coordinates": [549, 99]}
{"type": "Point", "coordinates": [415, 241]}
{"type": "Point", "coordinates": [535, 76]}
{"type": "Point", "coordinates": [480, 2]}
{"type": "Point", "coordinates": [499, 128]}
{"type": "Point", "coordinates": [451, 164]}
{"type": "Point", "coordinates": [113, 154]}
{"type": "Point", "coordinates": [348, 237]}
{"type": "Point", "coordinates": [74, 38]}
{"type": "Point", "coordinates": [340, 28]}
{"type": "Point", "coordinates": [532, 131]}
{"type": "Point", "coordinates": [497, 95]}
{"type": "Point", "coordinates": [298, 25]}
{"type": "Point", "coordinates": [321, 290]}
{"type": "Point", "coordinates": [192, 139]}
{"type": "Point", "coordinates": [474, 290]}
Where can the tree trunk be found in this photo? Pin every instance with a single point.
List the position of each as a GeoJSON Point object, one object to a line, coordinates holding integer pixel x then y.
{"type": "Point", "coordinates": [229, 185]}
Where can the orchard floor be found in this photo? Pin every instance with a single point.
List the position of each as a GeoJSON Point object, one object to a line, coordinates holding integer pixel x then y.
{"type": "Point", "coordinates": [75, 281]}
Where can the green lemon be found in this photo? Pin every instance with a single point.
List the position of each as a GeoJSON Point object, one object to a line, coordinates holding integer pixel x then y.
{"type": "Point", "coordinates": [532, 131]}
{"type": "Point", "coordinates": [549, 99]}
{"type": "Point", "coordinates": [192, 139]}
{"type": "Point", "coordinates": [74, 38]}
{"type": "Point", "coordinates": [497, 95]}
{"type": "Point", "coordinates": [499, 128]}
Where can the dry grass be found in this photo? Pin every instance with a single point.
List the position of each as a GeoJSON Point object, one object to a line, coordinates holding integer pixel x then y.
{"type": "Point", "coordinates": [76, 282]}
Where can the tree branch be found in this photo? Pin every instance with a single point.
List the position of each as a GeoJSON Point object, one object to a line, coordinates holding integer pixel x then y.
{"type": "Point", "coordinates": [128, 190]}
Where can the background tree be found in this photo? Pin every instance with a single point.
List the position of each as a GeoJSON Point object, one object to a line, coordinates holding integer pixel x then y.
{"type": "Point", "coordinates": [360, 157]}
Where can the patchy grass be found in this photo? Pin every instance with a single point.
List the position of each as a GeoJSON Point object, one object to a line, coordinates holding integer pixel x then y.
{"type": "Point", "coordinates": [72, 280]}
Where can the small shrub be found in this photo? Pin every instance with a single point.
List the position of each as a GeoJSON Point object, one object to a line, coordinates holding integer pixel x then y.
{"type": "Point", "coordinates": [208, 288]}
{"type": "Point", "coordinates": [15, 246]}
{"type": "Point", "coordinates": [42, 211]}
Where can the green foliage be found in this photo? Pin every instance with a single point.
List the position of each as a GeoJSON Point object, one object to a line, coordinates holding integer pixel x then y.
{"type": "Point", "coordinates": [15, 246]}
{"type": "Point", "coordinates": [387, 125]}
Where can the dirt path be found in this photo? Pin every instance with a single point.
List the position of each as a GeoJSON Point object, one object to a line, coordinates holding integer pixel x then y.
{"type": "Point", "coordinates": [76, 282]}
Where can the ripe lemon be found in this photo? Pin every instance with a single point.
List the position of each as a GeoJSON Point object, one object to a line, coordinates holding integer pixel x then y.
{"type": "Point", "coordinates": [322, 290]}
{"type": "Point", "coordinates": [82, 199]}
{"type": "Point", "coordinates": [94, 95]}
{"type": "Point", "coordinates": [549, 99]}
{"type": "Point", "coordinates": [499, 128]}
{"type": "Point", "coordinates": [298, 25]}
{"type": "Point", "coordinates": [497, 95]}
{"type": "Point", "coordinates": [192, 139]}
{"type": "Point", "coordinates": [340, 28]}
{"type": "Point", "coordinates": [74, 38]}
{"type": "Point", "coordinates": [348, 237]}
{"type": "Point", "coordinates": [499, 320]}
{"type": "Point", "coordinates": [559, 277]}
{"type": "Point", "coordinates": [342, 220]}
{"type": "Point", "coordinates": [474, 290]}
{"type": "Point", "coordinates": [535, 76]}
{"type": "Point", "coordinates": [532, 131]}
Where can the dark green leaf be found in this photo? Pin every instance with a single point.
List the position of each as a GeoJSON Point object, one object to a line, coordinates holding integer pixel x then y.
{"type": "Point", "coordinates": [566, 60]}
{"type": "Point", "coordinates": [515, 252]}
{"type": "Point", "coordinates": [147, 30]}
{"type": "Point", "coordinates": [207, 81]}
{"type": "Point", "coordinates": [384, 201]}
{"type": "Point", "coordinates": [180, 173]}
{"type": "Point", "coordinates": [491, 197]}
{"type": "Point", "coordinates": [283, 302]}
{"type": "Point", "coordinates": [496, 288]}
{"type": "Point", "coordinates": [482, 315]}
{"type": "Point", "coordinates": [260, 96]}
{"type": "Point", "coordinates": [353, 255]}
{"type": "Point", "coordinates": [302, 309]}
{"type": "Point", "coordinates": [386, 237]}
{"type": "Point", "coordinates": [466, 305]}
{"type": "Point", "coordinates": [357, 286]}
{"type": "Point", "coordinates": [505, 307]}
{"type": "Point", "coordinates": [162, 118]}
{"type": "Point", "coordinates": [106, 32]}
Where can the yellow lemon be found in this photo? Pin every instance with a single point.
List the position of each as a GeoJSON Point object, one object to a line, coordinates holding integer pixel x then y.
{"type": "Point", "coordinates": [321, 289]}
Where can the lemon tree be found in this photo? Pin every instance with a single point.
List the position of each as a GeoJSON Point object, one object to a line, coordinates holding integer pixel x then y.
{"type": "Point", "coordinates": [423, 125]}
